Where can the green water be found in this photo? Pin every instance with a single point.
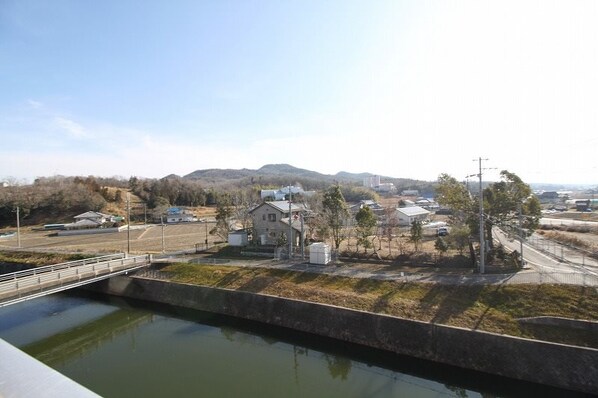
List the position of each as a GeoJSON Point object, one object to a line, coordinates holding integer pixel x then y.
{"type": "Point", "coordinates": [119, 349]}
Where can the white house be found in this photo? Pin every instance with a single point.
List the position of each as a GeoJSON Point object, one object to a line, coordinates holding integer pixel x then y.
{"type": "Point", "coordinates": [427, 204]}
{"type": "Point", "coordinates": [175, 214]}
{"type": "Point", "coordinates": [271, 221]}
{"type": "Point", "coordinates": [407, 215]}
{"type": "Point", "coordinates": [89, 220]}
{"type": "Point", "coordinates": [410, 192]}
{"type": "Point", "coordinates": [282, 193]}
{"type": "Point", "coordinates": [94, 216]}
{"type": "Point", "coordinates": [385, 187]}
{"type": "Point", "coordinates": [375, 206]}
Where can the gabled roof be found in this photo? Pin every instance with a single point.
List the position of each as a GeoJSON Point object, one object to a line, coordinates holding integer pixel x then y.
{"type": "Point", "coordinates": [296, 224]}
{"type": "Point", "coordinates": [86, 222]}
{"type": "Point", "coordinates": [280, 205]}
{"type": "Point", "coordinates": [412, 211]}
{"type": "Point", "coordinates": [93, 214]}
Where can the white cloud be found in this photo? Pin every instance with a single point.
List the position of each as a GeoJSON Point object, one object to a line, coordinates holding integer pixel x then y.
{"type": "Point", "coordinates": [73, 129]}
{"type": "Point", "coordinates": [35, 104]}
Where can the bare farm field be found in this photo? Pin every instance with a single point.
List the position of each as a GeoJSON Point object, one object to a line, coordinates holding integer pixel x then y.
{"type": "Point", "coordinates": [142, 239]}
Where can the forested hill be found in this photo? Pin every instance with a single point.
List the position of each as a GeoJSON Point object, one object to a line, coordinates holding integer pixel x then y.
{"type": "Point", "coordinates": [277, 175]}
{"type": "Point", "coordinates": [59, 198]}
{"type": "Point", "coordinates": [265, 174]}
{"type": "Point", "coordinates": [274, 174]}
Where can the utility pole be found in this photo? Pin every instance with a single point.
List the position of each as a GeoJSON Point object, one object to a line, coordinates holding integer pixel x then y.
{"type": "Point", "coordinates": [162, 223]}
{"type": "Point", "coordinates": [482, 240]}
{"type": "Point", "coordinates": [521, 234]}
{"type": "Point", "coordinates": [18, 228]}
{"type": "Point", "coordinates": [206, 224]}
{"type": "Point", "coordinates": [290, 224]}
{"type": "Point", "coordinates": [128, 223]}
{"type": "Point", "coordinates": [302, 237]}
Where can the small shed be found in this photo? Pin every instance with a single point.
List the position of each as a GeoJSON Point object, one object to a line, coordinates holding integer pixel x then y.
{"type": "Point", "coordinates": [319, 253]}
{"type": "Point", "coordinates": [407, 215]}
{"type": "Point", "coordinates": [238, 238]}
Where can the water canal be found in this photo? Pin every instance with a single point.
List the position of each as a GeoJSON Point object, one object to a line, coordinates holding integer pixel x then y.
{"type": "Point", "coordinates": [122, 349]}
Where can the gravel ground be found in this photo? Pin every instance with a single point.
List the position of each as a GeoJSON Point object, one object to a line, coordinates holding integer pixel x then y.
{"type": "Point", "coordinates": [143, 239]}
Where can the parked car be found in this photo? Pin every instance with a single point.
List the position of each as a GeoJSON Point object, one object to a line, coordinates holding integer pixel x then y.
{"type": "Point", "coordinates": [442, 231]}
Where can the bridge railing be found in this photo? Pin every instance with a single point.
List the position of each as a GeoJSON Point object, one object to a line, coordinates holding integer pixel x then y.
{"type": "Point", "coordinates": [65, 276]}
{"type": "Point", "coordinates": [61, 266]}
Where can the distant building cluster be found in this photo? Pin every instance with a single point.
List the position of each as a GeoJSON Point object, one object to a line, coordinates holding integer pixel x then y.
{"type": "Point", "coordinates": [283, 193]}
{"type": "Point", "coordinates": [374, 183]}
{"type": "Point", "coordinates": [552, 196]}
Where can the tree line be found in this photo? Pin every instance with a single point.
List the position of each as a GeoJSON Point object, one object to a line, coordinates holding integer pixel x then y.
{"type": "Point", "coordinates": [59, 198]}
{"type": "Point", "coordinates": [55, 198]}
{"type": "Point", "coordinates": [508, 204]}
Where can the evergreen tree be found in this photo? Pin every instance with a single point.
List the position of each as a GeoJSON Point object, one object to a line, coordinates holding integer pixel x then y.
{"type": "Point", "coordinates": [416, 234]}
{"type": "Point", "coordinates": [335, 213]}
{"type": "Point", "coordinates": [366, 221]}
{"type": "Point", "coordinates": [441, 246]}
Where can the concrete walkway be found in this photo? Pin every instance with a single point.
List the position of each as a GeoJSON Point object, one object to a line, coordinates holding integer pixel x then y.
{"type": "Point", "coordinates": [383, 272]}
{"type": "Point", "coordinates": [24, 376]}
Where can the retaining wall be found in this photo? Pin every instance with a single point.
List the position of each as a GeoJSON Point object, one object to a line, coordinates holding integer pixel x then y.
{"type": "Point", "coordinates": [569, 367]}
{"type": "Point", "coordinates": [91, 231]}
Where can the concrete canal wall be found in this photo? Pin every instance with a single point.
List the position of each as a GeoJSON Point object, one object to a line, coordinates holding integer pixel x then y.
{"type": "Point", "coordinates": [569, 367]}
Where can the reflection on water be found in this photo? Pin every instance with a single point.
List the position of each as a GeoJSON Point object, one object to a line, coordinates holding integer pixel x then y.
{"type": "Point", "coordinates": [120, 351]}
{"type": "Point", "coordinates": [58, 349]}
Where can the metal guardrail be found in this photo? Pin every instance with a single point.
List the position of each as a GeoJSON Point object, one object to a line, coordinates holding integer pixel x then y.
{"type": "Point", "coordinates": [57, 267]}
{"type": "Point", "coordinates": [23, 285]}
{"type": "Point", "coordinates": [154, 274]}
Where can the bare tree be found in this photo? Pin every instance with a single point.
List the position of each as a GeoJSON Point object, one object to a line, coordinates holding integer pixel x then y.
{"type": "Point", "coordinates": [389, 225]}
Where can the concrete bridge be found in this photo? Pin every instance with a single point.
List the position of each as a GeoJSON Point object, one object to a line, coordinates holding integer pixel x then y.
{"type": "Point", "coordinates": [24, 285]}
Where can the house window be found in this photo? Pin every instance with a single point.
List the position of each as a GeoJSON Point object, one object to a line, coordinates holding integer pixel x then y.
{"type": "Point", "coordinates": [263, 217]}
{"type": "Point", "coordinates": [271, 217]}
{"type": "Point", "coordinates": [272, 234]}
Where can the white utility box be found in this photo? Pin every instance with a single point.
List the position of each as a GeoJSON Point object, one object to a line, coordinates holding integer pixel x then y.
{"type": "Point", "coordinates": [319, 253]}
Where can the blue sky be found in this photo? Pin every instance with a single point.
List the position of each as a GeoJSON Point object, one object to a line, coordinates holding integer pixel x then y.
{"type": "Point", "coordinates": [399, 88]}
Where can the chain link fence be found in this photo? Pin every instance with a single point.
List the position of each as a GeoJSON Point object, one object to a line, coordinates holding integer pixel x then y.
{"type": "Point", "coordinates": [563, 252]}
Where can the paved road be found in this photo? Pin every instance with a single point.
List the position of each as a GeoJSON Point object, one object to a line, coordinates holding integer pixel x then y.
{"type": "Point", "coordinates": [384, 272]}
{"type": "Point", "coordinates": [555, 267]}
{"type": "Point", "coordinates": [566, 221]}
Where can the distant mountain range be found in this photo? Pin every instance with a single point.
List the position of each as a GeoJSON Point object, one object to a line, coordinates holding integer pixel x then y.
{"type": "Point", "coordinates": [285, 174]}
{"type": "Point", "coordinates": [278, 170]}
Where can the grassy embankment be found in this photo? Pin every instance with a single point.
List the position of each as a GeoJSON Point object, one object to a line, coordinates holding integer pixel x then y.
{"type": "Point", "coordinates": [492, 308]}
{"type": "Point", "coordinates": [38, 259]}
